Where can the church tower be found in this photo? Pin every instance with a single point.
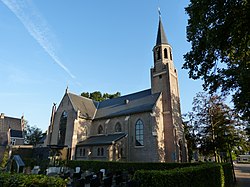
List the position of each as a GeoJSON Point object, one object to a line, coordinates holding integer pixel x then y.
{"type": "Point", "coordinates": [164, 79]}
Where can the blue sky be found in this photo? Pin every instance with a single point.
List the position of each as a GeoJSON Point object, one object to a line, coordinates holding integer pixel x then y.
{"type": "Point", "coordinates": [47, 45]}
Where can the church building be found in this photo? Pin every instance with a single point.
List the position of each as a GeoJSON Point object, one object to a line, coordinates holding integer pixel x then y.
{"type": "Point", "coordinates": [145, 126]}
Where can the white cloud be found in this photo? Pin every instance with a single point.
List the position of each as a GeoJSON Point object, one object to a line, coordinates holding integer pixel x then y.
{"type": "Point", "coordinates": [36, 26]}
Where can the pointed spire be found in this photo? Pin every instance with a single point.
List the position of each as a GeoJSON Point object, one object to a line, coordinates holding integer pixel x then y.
{"type": "Point", "coordinates": [161, 37]}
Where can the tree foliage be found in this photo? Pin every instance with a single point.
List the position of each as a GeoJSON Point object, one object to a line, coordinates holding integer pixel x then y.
{"type": "Point", "coordinates": [220, 53]}
{"type": "Point", "coordinates": [213, 127]}
{"type": "Point", "coordinates": [32, 134]}
{"type": "Point", "coordinates": [98, 96]}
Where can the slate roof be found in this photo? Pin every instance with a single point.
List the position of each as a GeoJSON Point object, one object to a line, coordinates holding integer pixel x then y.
{"type": "Point", "coordinates": [18, 160]}
{"type": "Point", "coordinates": [86, 106]}
{"type": "Point", "coordinates": [16, 133]}
{"type": "Point", "coordinates": [102, 139]}
{"type": "Point", "coordinates": [161, 37]}
{"type": "Point", "coordinates": [138, 102]}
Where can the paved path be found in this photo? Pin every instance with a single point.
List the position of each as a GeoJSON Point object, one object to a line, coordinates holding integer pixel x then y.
{"type": "Point", "coordinates": [242, 172]}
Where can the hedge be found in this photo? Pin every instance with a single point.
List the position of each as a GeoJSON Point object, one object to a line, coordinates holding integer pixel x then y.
{"type": "Point", "coordinates": [204, 175]}
{"type": "Point", "coordinates": [127, 166]}
{"type": "Point", "coordinates": [167, 174]}
{"type": "Point", "coordinates": [228, 174]}
{"type": "Point", "coordinates": [22, 180]}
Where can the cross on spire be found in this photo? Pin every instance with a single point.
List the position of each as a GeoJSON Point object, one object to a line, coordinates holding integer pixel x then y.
{"type": "Point", "coordinates": [159, 11]}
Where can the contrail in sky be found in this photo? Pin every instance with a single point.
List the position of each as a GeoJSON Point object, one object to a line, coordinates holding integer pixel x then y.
{"type": "Point", "coordinates": [36, 26]}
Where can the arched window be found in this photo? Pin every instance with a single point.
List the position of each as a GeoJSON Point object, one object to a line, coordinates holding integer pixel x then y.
{"type": "Point", "coordinates": [139, 133]}
{"type": "Point", "coordinates": [165, 53]}
{"type": "Point", "coordinates": [98, 151]}
{"type": "Point", "coordinates": [158, 53]}
{"type": "Point", "coordinates": [62, 128]}
{"type": "Point", "coordinates": [171, 58]}
{"type": "Point", "coordinates": [118, 127]}
{"type": "Point", "coordinates": [121, 153]}
{"type": "Point", "coordinates": [102, 151]}
{"type": "Point", "coordinates": [100, 129]}
{"type": "Point", "coordinates": [84, 152]}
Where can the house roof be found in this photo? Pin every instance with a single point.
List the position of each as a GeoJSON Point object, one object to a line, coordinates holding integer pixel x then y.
{"type": "Point", "coordinates": [18, 160]}
{"type": "Point", "coordinates": [103, 139]}
{"type": "Point", "coordinates": [86, 106]}
{"type": "Point", "coordinates": [16, 133]}
{"type": "Point", "coordinates": [138, 102]}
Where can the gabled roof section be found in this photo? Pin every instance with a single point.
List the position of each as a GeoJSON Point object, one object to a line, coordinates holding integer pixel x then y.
{"type": "Point", "coordinates": [138, 102]}
{"type": "Point", "coordinates": [161, 36]}
{"type": "Point", "coordinates": [142, 101]}
{"type": "Point", "coordinates": [86, 106]}
{"type": "Point", "coordinates": [102, 139]}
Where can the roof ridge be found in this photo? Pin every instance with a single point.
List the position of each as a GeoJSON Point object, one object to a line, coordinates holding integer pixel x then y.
{"type": "Point", "coordinates": [81, 96]}
{"type": "Point", "coordinates": [127, 95]}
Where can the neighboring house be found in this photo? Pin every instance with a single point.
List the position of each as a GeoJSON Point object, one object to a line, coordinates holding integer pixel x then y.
{"type": "Point", "coordinates": [16, 137]}
{"type": "Point", "coordinates": [145, 126]}
{"type": "Point", "coordinates": [11, 130]}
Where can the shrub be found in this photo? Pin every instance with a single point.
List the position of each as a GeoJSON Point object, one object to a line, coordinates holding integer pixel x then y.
{"type": "Point", "coordinates": [198, 176]}
{"type": "Point", "coordinates": [5, 157]}
{"type": "Point", "coordinates": [128, 166]}
{"type": "Point", "coordinates": [228, 174]}
{"type": "Point", "coordinates": [22, 180]}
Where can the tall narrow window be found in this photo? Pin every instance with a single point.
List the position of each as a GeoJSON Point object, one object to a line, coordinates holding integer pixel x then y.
{"type": "Point", "coordinates": [158, 53]}
{"type": "Point", "coordinates": [171, 58]}
{"type": "Point", "coordinates": [102, 151]}
{"type": "Point", "coordinates": [139, 133]}
{"type": "Point", "coordinates": [100, 129]}
{"type": "Point", "coordinates": [118, 127]}
{"type": "Point", "coordinates": [165, 53]}
{"type": "Point", "coordinates": [180, 149]}
{"type": "Point", "coordinates": [62, 128]}
{"type": "Point", "coordinates": [98, 151]}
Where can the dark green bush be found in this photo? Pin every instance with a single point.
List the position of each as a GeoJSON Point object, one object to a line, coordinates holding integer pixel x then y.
{"type": "Point", "coordinates": [128, 166]}
{"type": "Point", "coordinates": [167, 174]}
{"type": "Point", "coordinates": [228, 174]}
{"type": "Point", "coordinates": [205, 175]}
{"type": "Point", "coordinates": [22, 180]}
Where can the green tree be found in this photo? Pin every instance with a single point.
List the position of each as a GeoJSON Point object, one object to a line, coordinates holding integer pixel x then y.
{"type": "Point", "coordinates": [32, 134]}
{"type": "Point", "coordinates": [190, 136]}
{"type": "Point", "coordinates": [220, 53]}
{"type": "Point", "coordinates": [98, 96]}
{"type": "Point", "coordinates": [215, 127]}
